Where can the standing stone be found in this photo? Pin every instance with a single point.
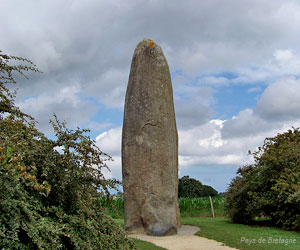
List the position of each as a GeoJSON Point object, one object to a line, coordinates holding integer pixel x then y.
{"type": "Point", "coordinates": [150, 145]}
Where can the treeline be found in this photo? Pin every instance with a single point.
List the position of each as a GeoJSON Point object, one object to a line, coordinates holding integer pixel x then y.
{"type": "Point", "coordinates": [192, 188]}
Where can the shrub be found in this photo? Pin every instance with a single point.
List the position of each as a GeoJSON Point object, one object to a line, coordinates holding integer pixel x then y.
{"type": "Point", "coordinates": [50, 189]}
{"type": "Point", "coordinates": [271, 186]}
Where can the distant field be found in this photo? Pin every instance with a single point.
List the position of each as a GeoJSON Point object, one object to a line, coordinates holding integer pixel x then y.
{"type": "Point", "coordinates": [200, 207]}
{"type": "Point", "coordinates": [189, 207]}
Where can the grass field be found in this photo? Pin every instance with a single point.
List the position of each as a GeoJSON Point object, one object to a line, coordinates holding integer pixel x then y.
{"type": "Point", "coordinates": [236, 235]}
{"type": "Point", "coordinates": [197, 212]}
{"type": "Point", "coordinates": [143, 245]}
{"type": "Point", "coordinates": [200, 207]}
{"type": "Point", "coordinates": [243, 236]}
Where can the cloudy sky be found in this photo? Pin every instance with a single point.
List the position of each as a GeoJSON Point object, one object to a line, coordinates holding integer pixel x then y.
{"type": "Point", "coordinates": [235, 68]}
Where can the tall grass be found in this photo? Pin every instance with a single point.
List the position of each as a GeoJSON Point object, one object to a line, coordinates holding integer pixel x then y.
{"type": "Point", "coordinates": [193, 207]}
{"type": "Point", "coordinates": [189, 207]}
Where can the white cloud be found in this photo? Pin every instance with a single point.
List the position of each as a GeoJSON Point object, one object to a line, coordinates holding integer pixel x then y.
{"type": "Point", "coordinates": [198, 146]}
{"type": "Point", "coordinates": [283, 63]}
{"type": "Point", "coordinates": [110, 141]}
{"type": "Point", "coordinates": [222, 143]}
{"type": "Point", "coordinates": [246, 123]}
{"type": "Point", "coordinates": [283, 55]}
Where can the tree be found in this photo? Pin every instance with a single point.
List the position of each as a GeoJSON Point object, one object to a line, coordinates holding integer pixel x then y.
{"type": "Point", "coordinates": [270, 186]}
{"type": "Point", "coordinates": [48, 198]}
{"type": "Point", "coordinates": [189, 187]}
{"type": "Point", "coordinates": [192, 188]}
{"type": "Point", "coordinates": [208, 191]}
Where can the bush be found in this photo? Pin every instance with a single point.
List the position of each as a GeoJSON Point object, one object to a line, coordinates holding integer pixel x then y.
{"type": "Point", "coordinates": [50, 189]}
{"type": "Point", "coordinates": [271, 186]}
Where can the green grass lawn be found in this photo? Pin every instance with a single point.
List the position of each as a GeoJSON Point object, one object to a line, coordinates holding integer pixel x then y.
{"type": "Point", "coordinates": [143, 245]}
{"type": "Point", "coordinates": [236, 235]}
{"type": "Point", "coordinates": [243, 236]}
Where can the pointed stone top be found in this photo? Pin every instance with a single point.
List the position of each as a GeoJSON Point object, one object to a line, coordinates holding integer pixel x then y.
{"type": "Point", "coordinates": [149, 45]}
{"type": "Point", "coordinates": [147, 50]}
{"type": "Point", "coordinates": [147, 41]}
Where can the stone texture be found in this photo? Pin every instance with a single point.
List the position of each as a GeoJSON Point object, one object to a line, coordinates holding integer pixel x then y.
{"type": "Point", "coordinates": [150, 145]}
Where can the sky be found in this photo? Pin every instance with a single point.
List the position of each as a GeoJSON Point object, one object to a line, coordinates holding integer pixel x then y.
{"type": "Point", "coordinates": [235, 68]}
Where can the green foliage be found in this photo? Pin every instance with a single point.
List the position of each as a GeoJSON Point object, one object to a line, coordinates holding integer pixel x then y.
{"type": "Point", "coordinates": [192, 188]}
{"type": "Point", "coordinates": [144, 245]}
{"type": "Point", "coordinates": [271, 186]}
{"type": "Point", "coordinates": [50, 189]}
{"type": "Point", "coordinates": [208, 191]}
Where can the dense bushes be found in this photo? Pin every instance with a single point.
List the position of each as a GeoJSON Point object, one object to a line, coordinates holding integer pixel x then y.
{"type": "Point", "coordinates": [271, 186]}
{"type": "Point", "coordinates": [50, 189]}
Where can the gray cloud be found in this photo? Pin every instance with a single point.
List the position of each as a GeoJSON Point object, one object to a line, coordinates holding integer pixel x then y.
{"type": "Point", "coordinates": [280, 101]}
{"type": "Point", "coordinates": [85, 48]}
{"type": "Point", "coordinates": [86, 39]}
{"type": "Point", "coordinates": [67, 104]}
{"type": "Point", "coordinates": [193, 105]}
{"type": "Point", "coordinates": [92, 42]}
{"type": "Point", "coordinates": [277, 107]}
{"type": "Point", "coordinates": [247, 123]}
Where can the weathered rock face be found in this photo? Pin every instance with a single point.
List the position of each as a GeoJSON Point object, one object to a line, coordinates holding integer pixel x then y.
{"type": "Point", "coordinates": [150, 145]}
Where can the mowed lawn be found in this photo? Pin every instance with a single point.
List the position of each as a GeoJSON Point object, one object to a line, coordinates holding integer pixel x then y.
{"type": "Point", "coordinates": [243, 236]}
{"type": "Point", "coordinates": [236, 235]}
